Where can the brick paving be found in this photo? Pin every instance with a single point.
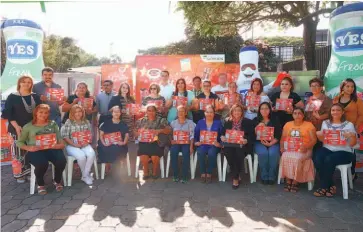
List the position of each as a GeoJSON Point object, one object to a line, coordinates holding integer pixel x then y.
{"type": "Point", "coordinates": [127, 204]}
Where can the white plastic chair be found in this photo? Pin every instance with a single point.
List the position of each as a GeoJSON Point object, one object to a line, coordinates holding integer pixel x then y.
{"type": "Point", "coordinates": [247, 161]}
{"type": "Point", "coordinates": [310, 184]}
{"type": "Point", "coordinates": [168, 164]}
{"type": "Point", "coordinates": [219, 166]}
{"type": "Point", "coordinates": [70, 161]}
{"type": "Point", "coordinates": [138, 165]}
{"type": "Point", "coordinates": [103, 167]}
{"type": "Point", "coordinates": [255, 167]}
{"type": "Point", "coordinates": [32, 177]}
{"type": "Point", "coordinates": [345, 170]}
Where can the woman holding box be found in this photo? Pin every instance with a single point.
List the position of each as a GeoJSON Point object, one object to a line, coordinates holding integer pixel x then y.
{"type": "Point", "coordinates": [156, 99]}
{"type": "Point", "coordinates": [267, 145]}
{"type": "Point", "coordinates": [76, 132]}
{"type": "Point", "coordinates": [254, 95]}
{"type": "Point", "coordinates": [296, 144]}
{"type": "Point", "coordinates": [230, 99]}
{"type": "Point", "coordinates": [236, 149]}
{"type": "Point", "coordinates": [34, 137]}
{"type": "Point", "coordinates": [183, 139]}
{"type": "Point", "coordinates": [207, 137]}
{"type": "Point", "coordinates": [333, 153]}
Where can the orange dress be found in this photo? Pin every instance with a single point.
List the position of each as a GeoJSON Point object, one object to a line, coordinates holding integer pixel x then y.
{"type": "Point", "coordinates": [297, 165]}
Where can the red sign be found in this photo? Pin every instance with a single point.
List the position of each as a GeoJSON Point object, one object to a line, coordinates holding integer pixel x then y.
{"type": "Point", "coordinates": [234, 136]}
{"type": "Point", "coordinates": [265, 133]}
{"type": "Point", "coordinates": [146, 136]}
{"type": "Point", "coordinates": [203, 102]}
{"type": "Point", "coordinates": [46, 141]}
{"type": "Point", "coordinates": [181, 137]}
{"type": "Point", "coordinates": [313, 105]}
{"type": "Point", "coordinates": [6, 142]}
{"type": "Point", "coordinates": [133, 109]}
{"type": "Point", "coordinates": [283, 104]}
{"type": "Point", "coordinates": [55, 94]}
{"type": "Point", "coordinates": [86, 103]}
{"type": "Point", "coordinates": [222, 94]}
{"type": "Point", "coordinates": [82, 137]}
{"type": "Point", "coordinates": [292, 143]}
{"type": "Point", "coordinates": [112, 138]}
{"type": "Point", "coordinates": [118, 73]}
{"type": "Point", "coordinates": [334, 137]}
{"type": "Point", "coordinates": [230, 99]}
{"type": "Point", "coordinates": [179, 101]}
{"type": "Point", "coordinates": [208, 137]}
{"type": "Point", "coordinates": [253, 101]}
{"type": "Point", "coordinates": [157, 103]}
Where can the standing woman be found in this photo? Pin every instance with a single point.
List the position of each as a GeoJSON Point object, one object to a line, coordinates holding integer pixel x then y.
{"type": "Point", "coordinates": [83, 152]}
{"type": "Point", "coordinates": [231, 99]}
{"type": "Point", "coordinates": [256, 89]}
{"type": "Point", "coordinates": [208, 124]}
{"type": "Point", "coordinates": [38, 157]}
{"type": "Point", "coordinates": [297, 166]}
{"type": "Point", "coordinates": [235, 153]}
{"type": "Point", "coordinates": [180, 91]}
{"type": "Point", "coordinates": [154, 95]}
{"type": "Point", "coordinates": [287, 88]}
{"type": "Point", "coordinates": [353, 107]}
{"type": "Point", "coordinates": [329, 156]}
{"type": "Point", "coordinates": [18, 111]}
{"type": "Point", "coordinates": [268, 151]}
{"type": "Point", "coordinates": [122, 99]}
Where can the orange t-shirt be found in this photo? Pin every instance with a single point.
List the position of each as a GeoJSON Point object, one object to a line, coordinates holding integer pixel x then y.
{"type": "Point", "coordinates": [301, 131]}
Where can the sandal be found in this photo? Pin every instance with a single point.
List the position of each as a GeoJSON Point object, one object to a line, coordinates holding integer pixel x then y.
{"type": "Point", "coordinates": [58, 187]}
{"type": "Point", "coordinates": [320, 192]}
{"type": "Point", "coordinates": [294, 188]}
{"type": "Point", "coordinates": [329, 194]}
{"type": "Point", "coordinates": [203, 179]}
{"type": "Point", "coordinates": [287, 187]}
{"type": "Point", "coordinates": [333, 189]}
{"type": "Point", "coordinates": [42, 190]}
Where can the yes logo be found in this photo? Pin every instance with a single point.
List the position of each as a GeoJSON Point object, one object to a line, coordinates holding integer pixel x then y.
{"type": "Point", "coordinates": [348, 39]}
{"type": "Point", "coordinates": [22, 49]}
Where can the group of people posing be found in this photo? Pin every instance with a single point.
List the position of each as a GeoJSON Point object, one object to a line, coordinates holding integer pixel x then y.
{"type": "Point", "coordinates": [281, 129]}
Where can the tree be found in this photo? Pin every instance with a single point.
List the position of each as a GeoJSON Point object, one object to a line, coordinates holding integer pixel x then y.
{"type": "Point", "coordinates": [226, 18]}
{"type": "Point", "coordinates": [283, 41]}
{"type": "Point", "coordinates": [115, 59]}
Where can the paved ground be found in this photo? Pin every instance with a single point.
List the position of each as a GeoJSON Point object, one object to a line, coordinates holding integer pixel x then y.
{"type": "Point", "coordinates": [128, 204]}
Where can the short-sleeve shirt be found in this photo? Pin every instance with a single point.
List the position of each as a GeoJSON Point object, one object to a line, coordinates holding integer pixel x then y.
{"type": "Point", "coordinates": [158, 123]}
{"type": "Point", "coordinates": [283, 116]}
{"type": "Point", "coordinates": [200, 113]}
{"type": "Point", "coordinates": [303, 131]}
{"type": "Point", "coordinates": [146, 100]}
{"type": "Point", "coordinates": [346, 126]}
{"type": "Point", "coordinates": [70, 101]}
{"type": "Point", "coordinates": [40, 88]}
{"type": "Point", "coordinates": [187, 126]}
{"type": "Point", "coordinates": [166, 91]}
{"type": "Point", "coordinates": [110, 127]}
{"type": "Point", "coordinates": [71, 127]}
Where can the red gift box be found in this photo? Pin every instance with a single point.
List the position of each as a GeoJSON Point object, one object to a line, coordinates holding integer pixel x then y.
{"type": "Point", "coordinates": [55, 94]}
{"type": "Point", "coordinates": [112, 138]}
{"type": "Point", "coordinates": [86, 103]}
{"type": "Point", "coordinates": [181, 137]}
{"type": "Point", "coordinates": [313, 105]}
{"type": "Point", "coordinates": [293, 143]}
{"type": "Point", "coordinates": [230, 99]}
{"type": "Point", "coordinates": [203, 102]}
{"type": "Point", "coordinates": [208, 137]}
{"type": "Point", "coordinates": [265, 133]}
{"type": "Point", "coordinates": [146, 136]}
{"type": "Point", "coordinates": [334, 137]}
{"type": "Point", "coordinates": [6, 142]}
{"type": "Point", "coordinates": [157, 103]}
{"type": "Point", "coordinates": [283, 104]}
{"type": "Point", "coordinates": [222, 94]}
{"type": "Point", "coordinates": [179, 101]}
{"type": "Point", "coordinates": [253, 101]}
{"type": "Point", "coordinates": [46, 141]}
{"type": "Point", "coordinates": [132, 109]}
{"type": "Point", "coordinates": [82, 137]}
{"type": "Point", "coordinates": [234, 136]}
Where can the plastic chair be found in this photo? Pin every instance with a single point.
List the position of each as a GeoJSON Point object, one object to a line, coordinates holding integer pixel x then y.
{"type": "Point", "coordinates": [255, 167]}
{"type": "Point", "coordinates": [247, 161]}
{"type": "Point", "coordinates": [219, 166]}
{"type": "Point", "coordinates": [70, 162]}
{"type": "Point", "coordinates": [345, 170]}
{"type": "Point", "coordinates": [138, 165]}
{"type": "Point", "coordinates": [103, 167]}
{"type": "Point", "coordinates": [310, 184]}
{"type": "Point", "coordinates": [32, 177]}
{"type": "Point", "coordinates": [168, 164]}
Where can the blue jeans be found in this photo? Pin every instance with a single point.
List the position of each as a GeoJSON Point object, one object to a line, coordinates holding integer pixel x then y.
{"type": "Point", "coordinates": [174, 154]}
{"type": "Point", "coordinates": [211, 153]}
{"type": "Point", "coordinates": [268, 160]}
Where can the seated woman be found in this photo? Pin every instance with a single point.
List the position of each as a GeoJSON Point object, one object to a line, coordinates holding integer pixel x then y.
{"type": "Point", "coordinates": [267, 146]}
{"type": "Point", "coordinates": [32, 136]}
{"type": "Point", "coordinates": [183, 139]}
{"type": "Point", "coordinates": [236, 151]}
{"type": "Point", "coordinates": [207, 137]}
{"type": "Point", "coordinates": [76, 132]}
{"type": "Point", "coordinates": [297, 142]}
{"type": "Point", "coordinates": [331, 155]}
{"type": "Point", "coordinates": [114, 136]}
{"type": "Point", "coordinates": [150, 130]}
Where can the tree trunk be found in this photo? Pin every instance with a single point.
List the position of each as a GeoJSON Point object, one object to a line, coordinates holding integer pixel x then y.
{"type": "Point", "coordinates": [309, 36]}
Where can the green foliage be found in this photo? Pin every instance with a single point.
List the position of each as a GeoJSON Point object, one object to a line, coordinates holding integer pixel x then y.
{"type": "Point", "coordinates": [283, 41]}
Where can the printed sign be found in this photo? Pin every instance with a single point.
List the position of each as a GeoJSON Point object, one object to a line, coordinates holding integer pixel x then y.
{"type": "Point", "coordinates": [86, 103]}
{"type": "Point", "coordinates": [230, 99]}
{"type": "Point", "coordinates": [292, 143]}
{"type": "Point", "coordinates": [118, 74]}
{"type": "Point", "coordinates": [253, 101]}
{"type": "Point", "coordinates": [181, 137]}
{"type": "Point", "coordinates": [132, 109]}
{"type": "Point", "coordinates": [208, 137]}
{"type": "Point", "coordinates": [222, 94]}
{"type": "Point", "coordinates": [203, 102]}
{"type": "Point", "coordinates": [55, 94]}
{"type": "Point", "coordinates": [313, 105]}
{"type": "Point", "coordinates": [179, 101]}
{"type": "Point", "coordinates": [265, 133]}
{"type": "Point", "coordinates": [147, 136]}
{"type": "Point", "coordinates": [334, 137]}
{"type": "Point", "coordinates": [82, 137]}
{"type": "Point", "coordinates": [283, 104]}
{"type": "Point", "coordinates": [45, 141]}
{"type": "Point", "coordinates": [6, 143]}
{"type": "Point", "coordinates": [112, 138]}
{"type": "Point", "coordinates": [234, 136]}
{"type": "Point", "coordinates": [158, 103]}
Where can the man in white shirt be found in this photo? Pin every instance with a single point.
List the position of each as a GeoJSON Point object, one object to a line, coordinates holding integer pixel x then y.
{"type": "Point", "coordinates": [166, 89]}
{"type": "Point", "coordinates": [222, 87]}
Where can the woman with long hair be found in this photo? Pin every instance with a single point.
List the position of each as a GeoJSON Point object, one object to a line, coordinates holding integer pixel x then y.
{"type": "Point", "coordinates": [254, 97]}
{"type": "Point", "coordinates": [39, 154]}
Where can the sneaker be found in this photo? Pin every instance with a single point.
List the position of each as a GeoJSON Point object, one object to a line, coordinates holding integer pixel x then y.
{"type": "Point", "coordinates": [175, 179]}
{"type": "Point", "coordinates": [90, 176]}
{"type": "Point", "coordinates": [20, 180]}
{"type": "Point", "coordinates": [87, 180]}
{"type": "Point", "coordinates": [184, 180]}
{"type": "Point", "coordinates": [24, 172]}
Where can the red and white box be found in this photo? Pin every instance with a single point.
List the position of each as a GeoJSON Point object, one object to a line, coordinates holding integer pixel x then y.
{"type": "Point", "coordinates": [157, 103]}
{"type": "Point", "coordinates": [265, 133]}
{"type": "Point", "coordinates": [132, 109]}
{"type": "Point", "coordinates": [112, 138]}
{"type": "Point", "coordinates": [334, 137]}
{"type": "Point", "coordinates": [82, 137]}
{"type": "Point", "coordinates": [203, 102]}
{"type": "Point", "coordinates": [86, 103]}
{"type": "Point", "coordinates": [230, 99]}
{"type": "Point", "coordinates": [146, 136]}
{"type": "Point", "coordinates": [181, 137]}
{"type": "Point", "coordinates": [179, 101]}
{"type": "Point", "coordinates": [313, 105]}
{"type": "Point", "coordinates": [253, 101]}
{"type": "Point", "coordinates": [6, 140]}
{"type": "Point", "coordinates": [208, 137]}
{"type": "Point", "coordinates": [46, 141]}
{"type": "Point", "coordinates": [55, 94]}
{"type": "Point", "coordinates": [235, 136]}
{"type": "Point", "coordinates": [283, 104]}
{"type": "Point", "coordinates": [293, 143]}
{"type": "Point", "coordinates": [222, 94]}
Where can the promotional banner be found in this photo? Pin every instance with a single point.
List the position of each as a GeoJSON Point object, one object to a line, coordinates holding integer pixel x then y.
{"type": "Point", "coordinates": [24, 52]}
{"type": "Point", "coordinates": [179, 66]}
{"type": "Point", "coordinates": [118, 73]}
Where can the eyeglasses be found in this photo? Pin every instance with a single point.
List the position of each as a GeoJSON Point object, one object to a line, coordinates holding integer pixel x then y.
{"type": "Point", "coordinates": [153, 89]}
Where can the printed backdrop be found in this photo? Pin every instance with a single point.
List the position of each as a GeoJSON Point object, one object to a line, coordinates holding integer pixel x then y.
{"type": "Point", "coordinates": [118, 73]}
